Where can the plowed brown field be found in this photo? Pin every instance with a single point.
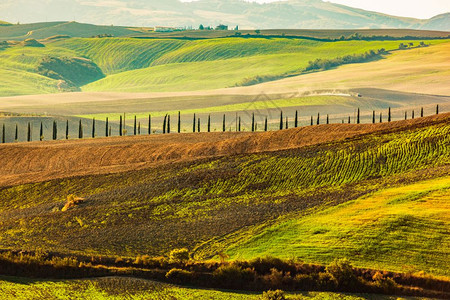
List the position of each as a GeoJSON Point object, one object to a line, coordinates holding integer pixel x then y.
{"type": "Point", "coordinates": [39, 161]}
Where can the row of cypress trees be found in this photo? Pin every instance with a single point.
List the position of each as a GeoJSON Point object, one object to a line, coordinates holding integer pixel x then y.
{"type": "Point", "coordinates": [196, 124]}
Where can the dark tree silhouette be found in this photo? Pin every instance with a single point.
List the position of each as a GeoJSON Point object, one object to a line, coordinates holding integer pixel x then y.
{"type": "Point", "coordinates": [349, 121]}
{"type": "Point", "coordinates": [168, 124]}
{"type": "Point", "coordinates": [67, 129]}
{"type": "Point", "coordinates": [198, 125]}
{"type": "Point", "coordinates": [80, 130]}
{"type": "Point", "coordinates": [16, 136]}
{"type": "Point", "coordinates": [412, 114]}
{"type": "Point", "coordinates": [373, 117]}
{"type": "Point", "coordinates": [120, 126]}
{"type": "Point", "coordinates": [193, 124]}
{"type": "Point", "coordinates": [239, 125]}
{"type": "Point", "coordinates": [139, 128]}
{"type": "Point", "coordinates": [287, 123]}
{"type": "Point", "coordinates": [209, 123]}
{"type": "Point", "coordinates": [281, 120]}
{"type": "Point", "coordinates": [253, 122]}
{"type": "Point", "coordinates": [55, 130]}
{"type": "Point", "coordinates": [437, 109]}
{"type": "Point", "coordinates": [3, 134]}
{"type": "Point", "coordinates": [357, 117]}
{"type": "Point", "coordinates": [41, 132]}
{"type": "Point", "coordinates": [164, 124]}
{"type": "Point", "coordinates": [135, 126]}
{"type": "Point", "coordinates": [381, 117]}
{"type": "Point", "coordinates": [179, 121]}
{"type": "Point", "coordinates": [265, 124]}
{"type": "Point", "coordinates": [312, 122]}
{"type": "Point", "coordinates": [93, 128]}
{"type": "Point", "coordinates": [421, 112]}
{"type": "Point", "coordinates": [223, 123]}
{"type": "Point", "coordinates": [296, 119]}
{"type": "Point", "coordinates": [29, 131]}
{"type": "Point", "coordinates": [328, 119]}
{"type": "Point", "coordinates": [107, 127]}
{"type": "Point", "coordinates": [406, 115]}
{"type": "Point", "coordinates": [318, 119]}
{"type": "Point", "coordinates": [389, 114]}
{"type": "Point", "coordinates": [149, 124]}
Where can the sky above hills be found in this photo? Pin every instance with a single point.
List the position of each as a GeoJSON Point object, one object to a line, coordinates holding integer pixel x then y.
{"type": "Point", "coordinates": [405, 8]}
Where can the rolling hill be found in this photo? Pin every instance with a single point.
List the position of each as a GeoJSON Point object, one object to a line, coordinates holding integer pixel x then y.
{"type": "Point", "coordinates": [315, 14]}
{"type": "Point", "coordinates": [203, 187]}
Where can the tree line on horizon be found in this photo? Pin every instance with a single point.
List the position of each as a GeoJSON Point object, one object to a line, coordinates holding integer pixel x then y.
{"type": "Point", "coordinates": [196, 124]}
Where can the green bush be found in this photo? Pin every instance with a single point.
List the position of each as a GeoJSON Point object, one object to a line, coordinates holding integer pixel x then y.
{"type": "Point", "coordinates": [273, 295]}
{"type": "Point", "coordinates": [179, 275]}
{"type": "Point", "coordinates": [179, 255]}
{"type": "Point", "coordinates": [342, 271]}
{"type": "Point", "coordinates": [233, 276]}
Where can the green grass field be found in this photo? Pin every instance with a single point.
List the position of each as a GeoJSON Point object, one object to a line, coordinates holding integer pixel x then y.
{"type": "Point", "coordinates": [149, 65]}
{"type": "Point", "coordinates": [129, 288]}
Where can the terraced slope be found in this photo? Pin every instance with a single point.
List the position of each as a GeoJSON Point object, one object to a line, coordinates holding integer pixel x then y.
{"type": "Point", "coordinates": [231, 186]}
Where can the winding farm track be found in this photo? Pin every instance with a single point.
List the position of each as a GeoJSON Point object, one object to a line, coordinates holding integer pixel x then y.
{"type": "Point", "coordinates": [40, 161]}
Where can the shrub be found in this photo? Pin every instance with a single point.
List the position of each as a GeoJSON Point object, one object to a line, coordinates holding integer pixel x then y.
{"type": "Point", "coordinates": [179, 275]}
{"type": "Point", "coordinates": [179, 255]}
{"type": "Point", "coordinates": [233, 276]}
{"type": "Point", "coordinates": [273, 295]}
{"type": "Point", "coordinates": [342, 271]}
{"type": "Point", "coordinates": [388, 285]}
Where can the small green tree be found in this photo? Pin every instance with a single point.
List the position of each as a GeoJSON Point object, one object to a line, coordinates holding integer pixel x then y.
{"type": "Point", "coordinates": [273, 295]}
{"type": "Point", "coordinates": [342, 271]}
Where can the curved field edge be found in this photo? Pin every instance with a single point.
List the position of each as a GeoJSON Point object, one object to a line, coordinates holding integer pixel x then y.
{"type": "Point", "coordinates": [403, 229]}
{"type": "Point", "coordinates": [132, 288]}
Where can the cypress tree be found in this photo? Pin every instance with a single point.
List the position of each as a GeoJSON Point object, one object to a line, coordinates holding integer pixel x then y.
{"type": "Point", "coordinates": [55, 130]}
{"type": "Point", "coordinates": [209, 123]}
{"type": "Point", "coordinates": [296, 119]}
{"type": "Point", "coordinates": [406, 115]}
{"type": "Point", "coordinates": [164, 124]}
{"type": "Point", "coordinates": [149, 124]}
{"type": "Point", "coordinates": [168, 124]}
{"type": "Point", "coordinates": [349, 120]}
{"type": "Point", "coordinates": [120, 126]}
{"type": "Point", "coordinates": [80, 129]}
{"type": "Point", "coordinates": [139, 128]}
{"type": "Point", "coordinates": [253, 122]}
{"type": "Point", "coordinates": [389, 114]}
{"type": "Point", "coordinates": [265, 124]}
{"type": "Point", "coordinates": [281, 120]}
{"type": "Point", "coordinates": [107, 127]}
{"type": "Point", "coordinates": [328, 119]}
{"type": "Point", "coordinates": [312, 122]}
{"type": "Point", "coordinates": [239, 126]}
{"type": "Point", "coordinates": [193, 124]}
{"type": "Point", "coordinates": [16, 137]}
{"type": "Point", "coordinates": [110, 130]}
{"type": "Point", "coordinates": [67, 129]}
{"type": "Point", "coordinates": [437, 109]}
{"type": "Point", "coordinates": [93, 128]}
{"type": "Point", "coordinates": [41, 132]}
{"type": "Point", "coordinates": [381, 117]}
{"type": "Point", "coordinates": [198, 128]}
{"type": "Point", "coordinates": [373, 117]}
{"type": "Point", "coordinates": [29, 132]}
{"type": "Point", "coordinates": [223, 123]}
{"type": "Point", "coordinates": [256, 126]}
{"type": "Point", "coordinates": [421, 112]}
{"type": "Point", "coordinates": [357, 117]}
{"type": "Point", "coordinates": [342, 121]}
{"type": "Point", "coordinates": [412, 114]}
{"type": "Point", "coordinates": [3, 134]}
{"type": "Point", "coordinates": [179, 121]}
{"type": "Point", "coordinates": [318, 118]}
{"type": "Point", "coordinates": [135, 126]}
{"type": "Point", "coordinates": [287, 123]}
{"type": "Point", "coordinates": [124, 125]}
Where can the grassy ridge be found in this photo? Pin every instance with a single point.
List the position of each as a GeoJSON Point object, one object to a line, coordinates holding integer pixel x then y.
{"type": "Point", "coordinates": [185, 205]}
